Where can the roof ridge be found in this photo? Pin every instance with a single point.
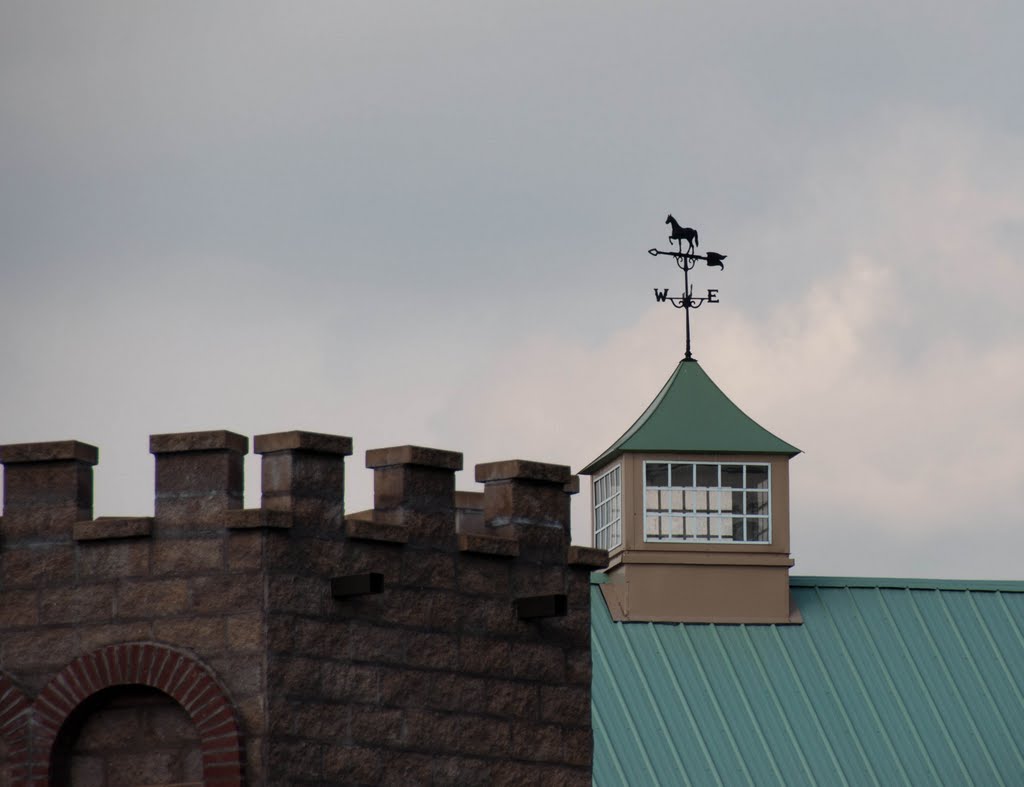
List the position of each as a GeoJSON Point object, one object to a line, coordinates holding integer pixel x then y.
{"type": "Point", "coordinates": [910, 583]}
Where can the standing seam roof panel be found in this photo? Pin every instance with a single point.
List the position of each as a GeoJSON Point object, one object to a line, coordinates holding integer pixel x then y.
{"type": "Point", "coordinates": [881, 684]}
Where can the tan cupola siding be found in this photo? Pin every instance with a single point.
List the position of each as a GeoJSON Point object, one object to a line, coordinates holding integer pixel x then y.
{"type": "Point", "coordinates": [692, 503]}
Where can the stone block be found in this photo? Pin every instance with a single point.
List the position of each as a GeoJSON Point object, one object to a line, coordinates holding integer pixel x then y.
{"type": "Point", "coordinates": [512, 699]}
{"type": "Point", "coordinates": [578, 746]}
{"type": "Point", "coordinates": [312, 442]}
{"type": "Point", "coordinates": [244, 550]}
{"type": "Point", "coordinates": [413, 455]}
{"type": "Point", "coordinates": [225, 593]}
{"type": "Point", "coordinates": [578, 667]}
{"type": "Point", "coordinates": [92, 637]}
{"type": "Point", "coordinates": [187, 556]}
{"type": "Point", "coordinates": [537, 742]}
{"type": "Point", "coordinates": [485, 736]}
{"type": "Point", "coordinates": [483, 576]}
{"type": "Point", "coordinates": [587, 557]}
{"type": "Point", "coordinates": [485, 544]}
{"type": "Point", "coordinates": [152, 598]}
{"type": "Point", "coordinates": [202, 634]}
{"type": "Point", "coordinates": [19, 609]}
{"type": "Point", "coordinates": [245, 633]}
{"type": "Point", "coordinates": [189, 442]}
{"type": "Point", "coordinates": [464, 771]}
{"type": "Point", "coordinates": [431, 650]}
{"type": "Point", "coordinates": [432, 731]}
{"type": "Point", "coordinates": [429, 569]}
{"type": "Point", "coordinates": [377, 726]}
{"type": "Point", "coordinates": [348, 764]}
{"type": "Point", "coordinates": [568, 705]}
{"type": "Point", "coordinates": [113, 560]}
{"type": "Point", "coordinates": [83, 604]}
{"type": "Point", "coordinates": [378, 644]}
{"type": "Point", "coordinates": [538, 661]}
{"type": "Point", "coordinates": [356, 683]}
{"type": "Point", "coordinates": [38, 650]}
{"type": "Point", "coordinates": [485, 656]}
{"type": "Point", "coordinates": [108, 527]}
{"type": "Point", "coordinates": [41, 565]}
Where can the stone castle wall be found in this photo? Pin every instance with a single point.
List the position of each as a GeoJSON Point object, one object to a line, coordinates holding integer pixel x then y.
{"type": "Point", "coordinates": [439, 637]}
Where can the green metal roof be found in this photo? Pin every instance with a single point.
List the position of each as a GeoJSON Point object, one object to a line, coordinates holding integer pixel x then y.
{"type": "Point", "coordinates": [886, 682]}
{"type": "Point", "coordinates": [691, 414]}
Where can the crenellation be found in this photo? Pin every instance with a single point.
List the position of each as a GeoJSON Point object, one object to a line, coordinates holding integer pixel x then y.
{"type": "Point", "coordinates": [530, 502]}
{"type": "Point", "coordinates": [418, 485]}
{"type": "Point", "coordinates": [47, 487]}
{"type": "Point", "coordinates": [199, 476]}
{"type": "Point", "coordinates": [432, 673]}
{"type": "Point", "coordinates": [303, 473]}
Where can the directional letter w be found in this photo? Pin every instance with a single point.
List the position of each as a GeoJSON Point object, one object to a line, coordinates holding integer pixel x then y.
{"type": "Point", "coordinates": [661, 295]}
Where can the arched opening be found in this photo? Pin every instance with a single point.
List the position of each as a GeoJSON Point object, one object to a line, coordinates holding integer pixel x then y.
{"type": "Point", "coordinates": [127, 736]}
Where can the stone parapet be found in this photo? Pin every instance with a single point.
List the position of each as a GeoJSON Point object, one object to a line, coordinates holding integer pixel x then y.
{"type": "Point", "coordinates": [294, 643]}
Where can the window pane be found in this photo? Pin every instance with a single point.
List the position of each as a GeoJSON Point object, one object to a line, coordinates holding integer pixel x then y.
{"type": "Point", "coordinates": [682, 474]}
{"type": "Point", "coordinates": [736, 526]}
{"type": "Point", "coordinates": [697, 500]}
{"type": "Point", "coordinates": [757, 477]}
{"type": "Point", "coordinates": [677, 527]}
{"type": "Point", "coordinates": [651, 500]}
{"type": "Point", "coordinates": [757, 502]}
{"type": "Point", "coordinates": [676, 499]}
{"type": "Point", "coordinates": [732, 475]}
{"type": "Point", "coordinates": [653, 526]}
{"type": "Point", "coordinates": [734, 501]}
{"type": "Point", "coordinates": [657, 474]}
{"type": "Point", "coordinates": [757, 529]}
{"type": "Point", "coordinates": [707, 475]}
{"type": "Point", "coordinates": [697, 527]}
{"type": "Point", "coordinates": [719, 527]}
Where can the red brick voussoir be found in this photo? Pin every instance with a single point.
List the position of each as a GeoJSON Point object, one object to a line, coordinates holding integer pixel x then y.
{"type": "Point", "coordinates": [174, 672]}
{"type": "Point", "coordinates": [15, 713]}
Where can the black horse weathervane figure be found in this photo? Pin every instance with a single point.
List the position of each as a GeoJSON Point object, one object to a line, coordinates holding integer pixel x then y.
{"type": "Point", "coordinates": [685, 261]}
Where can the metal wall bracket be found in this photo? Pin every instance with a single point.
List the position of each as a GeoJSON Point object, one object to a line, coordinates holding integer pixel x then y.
{"type": "Point", "coordinates": [553, 606]}
{"type": "Point", "coordinates": [357, 585]}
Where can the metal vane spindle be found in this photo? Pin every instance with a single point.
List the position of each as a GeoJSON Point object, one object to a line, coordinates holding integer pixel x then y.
{"type": "Point", "coordinates": [685, 260]}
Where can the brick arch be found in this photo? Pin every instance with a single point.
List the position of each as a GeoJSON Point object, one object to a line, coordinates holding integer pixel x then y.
{"type": "Point", "coordinates": [15, 714]}
{"type": "Point", "coordinates": [176, 673]}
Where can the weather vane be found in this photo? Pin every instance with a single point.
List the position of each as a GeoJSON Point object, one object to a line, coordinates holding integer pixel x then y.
{"type": "Point", "coordinates": [685, 260]}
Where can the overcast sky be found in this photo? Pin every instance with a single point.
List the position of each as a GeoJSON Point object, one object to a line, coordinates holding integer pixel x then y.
{"type": "Point", "coordinates": [427, 223]}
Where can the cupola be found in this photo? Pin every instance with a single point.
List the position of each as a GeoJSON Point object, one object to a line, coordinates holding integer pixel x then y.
{"type": "Point", "coordinates": [692, 502]}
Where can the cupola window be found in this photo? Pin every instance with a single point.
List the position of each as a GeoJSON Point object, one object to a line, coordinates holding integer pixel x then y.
{"type": "Point", "coordinates": [608, 509]}
{"type": "Point", "coordinates": [707, 502]}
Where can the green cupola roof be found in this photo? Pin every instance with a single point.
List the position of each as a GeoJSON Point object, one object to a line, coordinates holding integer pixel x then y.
{"type": "Point", "coordinates": [691, 415]}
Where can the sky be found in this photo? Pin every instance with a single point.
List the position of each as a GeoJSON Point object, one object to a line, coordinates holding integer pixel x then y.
{"type": "Point", "coordinates": [427, 223]}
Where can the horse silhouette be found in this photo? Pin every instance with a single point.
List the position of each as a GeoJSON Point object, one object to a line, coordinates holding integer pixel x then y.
{"type": "Point", "coordinates": [683, 233]}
